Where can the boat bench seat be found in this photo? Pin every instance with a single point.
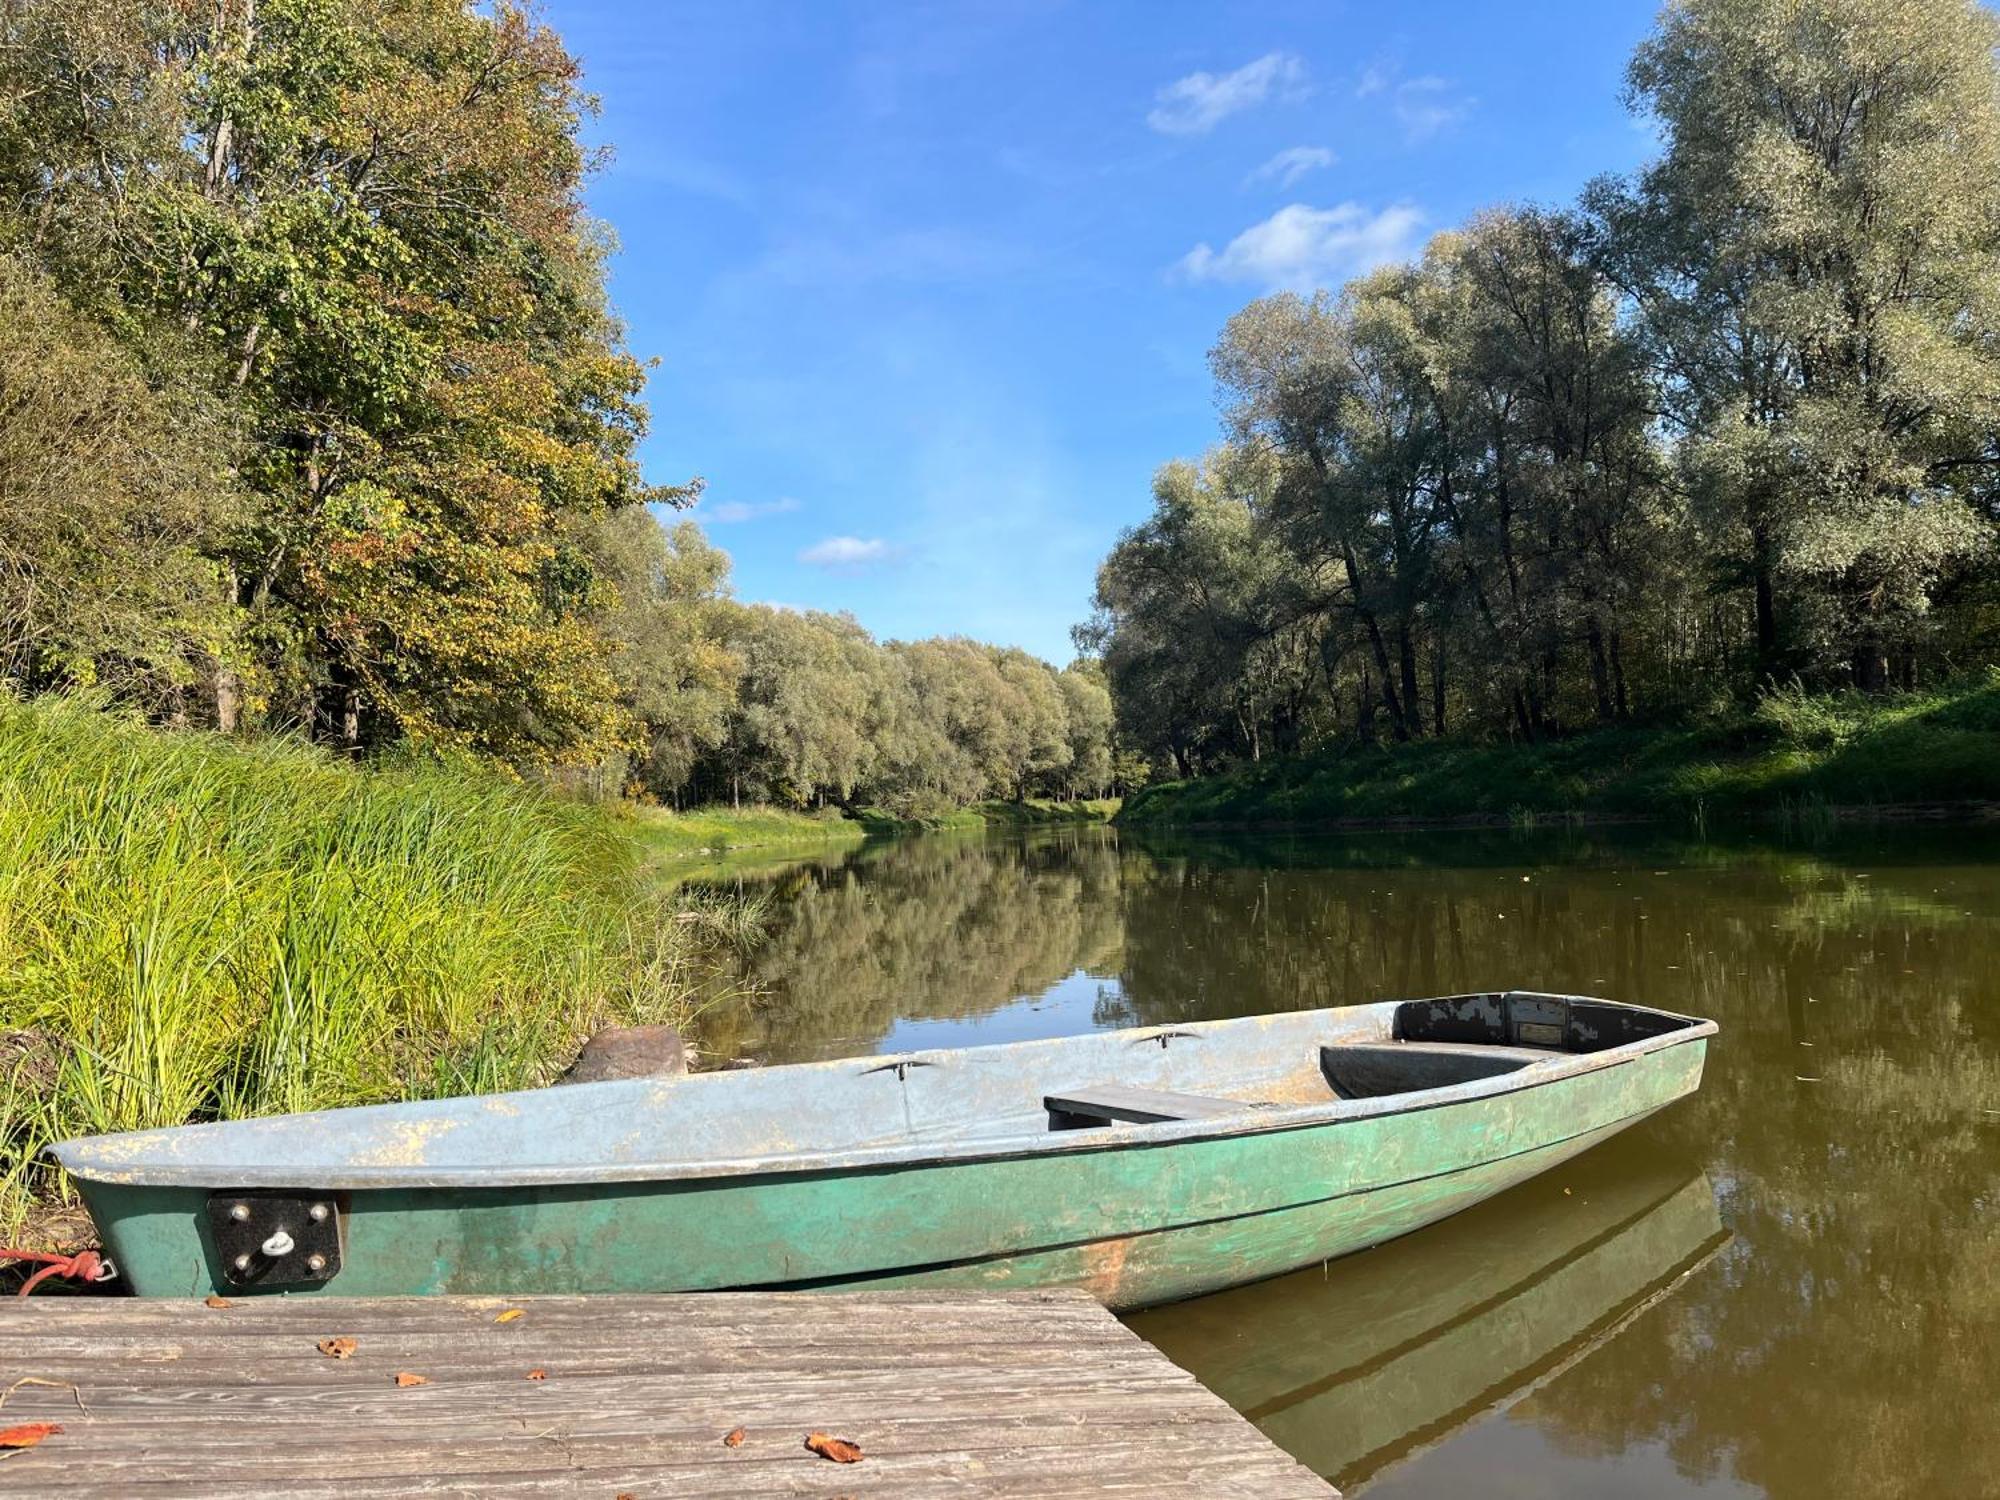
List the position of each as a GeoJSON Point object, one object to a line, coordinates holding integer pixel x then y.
{"type": "Point", "coordinates": [1368, 1070]}
{"type": "Point", "coordinates": [1093, 1104]}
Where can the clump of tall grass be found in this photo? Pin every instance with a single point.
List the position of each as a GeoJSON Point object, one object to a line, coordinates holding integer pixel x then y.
{"type": "Point", "coordinates": [1811, 721]}
{"type": "Point", "coordinates": [192, 928]}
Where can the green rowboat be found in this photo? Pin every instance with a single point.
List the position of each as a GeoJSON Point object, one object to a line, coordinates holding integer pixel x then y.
{"type": "Point", "coordinates": [1145, 1165]}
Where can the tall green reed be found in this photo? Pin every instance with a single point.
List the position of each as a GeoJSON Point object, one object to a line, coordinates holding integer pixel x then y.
{"type": "Point", "coordinates": [192, 928]}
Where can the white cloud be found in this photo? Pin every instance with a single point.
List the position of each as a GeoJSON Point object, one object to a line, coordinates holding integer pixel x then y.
{"type": "Point", "coordinates": [1292, 163]}
{"type": "Point", "coordinates": [1421, 107]}
{"type": "Point", "coordinates": [1301, 248]}
{"type": "Point", "coordinates": [849, 552]}
{"type": "Point", "coordinates": [1199, 102]}
{"type": "Point", "coordinates": [732, 512]}
{"type": "Point", "coordinates": [1425, 106]}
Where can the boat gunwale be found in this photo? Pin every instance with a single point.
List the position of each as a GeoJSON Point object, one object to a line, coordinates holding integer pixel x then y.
{"type": "Point", "coordinates": [124, 1170]}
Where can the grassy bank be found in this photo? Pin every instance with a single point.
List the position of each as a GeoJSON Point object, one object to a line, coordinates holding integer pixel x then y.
{"type": "Point", "coordinates": [1035, 812]}
{"type": "Point", "coordinates": [196, 929]}
{"type": "Point", "coordinates": [714, 830]}
{"type": "Point", "coordinates": [1793, 756]}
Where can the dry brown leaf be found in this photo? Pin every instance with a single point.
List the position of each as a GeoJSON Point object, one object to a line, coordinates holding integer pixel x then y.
{"type": "Point", "coordinates": [404, 1377]}
{"type": "Point", "coordinates": [734, 1438]}
{"type": "Point", "coordinates": [509, 1315]}
{"type": "Point", "coordinates": [538, 1374]}
{"type": "Point", "coordinates": [28, 1434]}
{"type": "Point", "coordinates": [341, 1348]}
{"type": "Point", "coordinates": [838, 1449]}
{"type": "Point", "coordinates": [216, 1302]}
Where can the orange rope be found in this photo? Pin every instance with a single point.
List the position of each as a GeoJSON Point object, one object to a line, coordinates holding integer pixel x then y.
{"type": "Point", "coordinates": [85, 1265]}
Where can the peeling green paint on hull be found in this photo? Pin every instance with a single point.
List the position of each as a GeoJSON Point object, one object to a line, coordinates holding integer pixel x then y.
{"type": "Point", "coordinates": [1136, 1216]}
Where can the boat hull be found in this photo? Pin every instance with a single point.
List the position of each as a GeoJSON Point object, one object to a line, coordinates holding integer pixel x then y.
{"type": "Point", "coordinates": [1134, 1222]}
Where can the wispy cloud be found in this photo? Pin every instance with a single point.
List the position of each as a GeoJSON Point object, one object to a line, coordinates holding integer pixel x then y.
{"type": "Point", "coordinates": [734, 512]}
{"type": "Point", "coordinates": [850, 552]}
{"type": "Point", "coordinates": [1196, 104]}
{"type": "Point", "coordinates": [1422, 107]}
{"type": "Point", "coordinates": [1292, 163]}
{"type": "Point", "coordinates": [1425, 106]}
{"type": "Point", "coordinates": [1301, 248]}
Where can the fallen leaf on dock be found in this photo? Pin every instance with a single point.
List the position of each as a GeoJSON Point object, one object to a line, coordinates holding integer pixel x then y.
{"type": "Point", "coordinates": [342, 1348]}
{"type": "Point", "coordinates": [838, 1449]}
{"type": "Point", "coordinates": [405, 1378]}
{"type": "Point", "coordinates": [28, 1434]}
{"type": "Point", "coordinates": [509, 1315]}
{"type": "Point", "coordinates": [216, 1302]}
{"type": "Point", "coordinates": [538, 1374]}
{"type": "Point", "coordinates": [734, 1438]}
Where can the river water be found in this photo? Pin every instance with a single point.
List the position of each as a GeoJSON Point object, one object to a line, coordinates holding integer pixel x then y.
{"type": "Point", "coordinates": [1787, 1286]}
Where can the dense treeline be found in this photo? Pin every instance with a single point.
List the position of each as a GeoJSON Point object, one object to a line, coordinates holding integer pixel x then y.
{"type": "Point", "coordinates": [750, 702]}
{"type": "Point", "coordinates": [1729, 423]}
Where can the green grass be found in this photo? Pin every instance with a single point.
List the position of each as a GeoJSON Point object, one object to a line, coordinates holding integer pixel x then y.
{"type": "Point", "coordinates": [1794, 757]}
{"type": "Point", "coordinates": [713, 830]}
{"type": "Point", "coordinates": [1033, 812]}
{"type": "Point", "coordinates": [192, 928]}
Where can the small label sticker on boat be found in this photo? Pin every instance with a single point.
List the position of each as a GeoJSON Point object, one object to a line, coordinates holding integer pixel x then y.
{"type": "Point", "coordinates": [1538, 1034]}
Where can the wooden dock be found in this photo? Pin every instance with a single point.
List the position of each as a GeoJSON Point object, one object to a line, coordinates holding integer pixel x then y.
{"type": "Point", "coordinates": [1039, 1394]}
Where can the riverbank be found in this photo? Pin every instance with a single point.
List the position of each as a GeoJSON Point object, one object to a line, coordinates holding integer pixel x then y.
{"type": "Point", "coordinates": [708, 831]}
{"type": "Point", "coordinates": [1794, 758]}
{"type": "Point", "coordinates": [199, 928]}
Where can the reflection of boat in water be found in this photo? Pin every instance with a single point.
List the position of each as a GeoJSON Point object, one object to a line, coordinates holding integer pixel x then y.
{"type": "Point", "coordinates": [1356, 1365]}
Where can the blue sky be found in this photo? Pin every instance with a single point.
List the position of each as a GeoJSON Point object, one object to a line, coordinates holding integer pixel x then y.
{"type": "Point", "coordinates": [931, 286]}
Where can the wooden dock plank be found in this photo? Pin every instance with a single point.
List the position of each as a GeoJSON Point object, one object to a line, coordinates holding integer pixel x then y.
{"type": "Point", "coordinates": [1029, 1394]}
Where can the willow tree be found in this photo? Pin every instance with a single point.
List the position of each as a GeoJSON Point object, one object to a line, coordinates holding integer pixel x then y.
{"type": "Point", "coordinates": [1205, 623]}
{"type": "Point", "coordinates": [1814, 254]}
{"type": "Point", "coordinates": [667, 611]}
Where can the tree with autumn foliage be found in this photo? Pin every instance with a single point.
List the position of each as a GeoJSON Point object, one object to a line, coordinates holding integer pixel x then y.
{"type": "Point", "coordinates": [360, 224]}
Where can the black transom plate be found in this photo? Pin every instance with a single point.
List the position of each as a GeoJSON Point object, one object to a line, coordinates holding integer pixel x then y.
{"type": "Point", "coordinates": [275, 1237]}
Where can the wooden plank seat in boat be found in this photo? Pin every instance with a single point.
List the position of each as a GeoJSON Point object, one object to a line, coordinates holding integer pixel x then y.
{"type": "Point", "coordinates": [1121, 1103]}
{"type": "Point", "coordinates": [1367, 1070]}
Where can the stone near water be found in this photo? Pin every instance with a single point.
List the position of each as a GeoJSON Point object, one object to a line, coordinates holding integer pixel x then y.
{"type": "Point", "coordinates": [629, 1052]}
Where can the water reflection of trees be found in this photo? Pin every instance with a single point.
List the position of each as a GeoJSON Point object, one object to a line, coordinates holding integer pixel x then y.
{"type": "Point", "coordinates": [936, 927]}
{"type": "Point", "coordinates": [1850, 1120]}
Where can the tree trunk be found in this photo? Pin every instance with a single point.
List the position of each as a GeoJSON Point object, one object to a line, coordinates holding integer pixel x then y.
{"type": "Point", "coordinates": [1600, 672]}
{"type": "Point", "coordinates": [1523, 717]}
{"type": "Point", "coordinates": [1406, 662]}
{"type": "Point", "coordinates": [1618, 675]}
{"type": "Point", "coordinates": [1437, 690]}
{"type": "Point", "coordinates": [1377, 644]}
{"type": "Point", "coordinates": [337, 709]}
{"type": "Point", "coordinates": [1767, 602]}
{"type": "Point", "coordinates": [228, 687]}
{"type": "Point", "coordinates": [1871, 663]}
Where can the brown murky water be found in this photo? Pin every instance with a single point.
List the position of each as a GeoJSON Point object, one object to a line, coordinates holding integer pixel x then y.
{"type": "Point", "coordinates": [1788, 1286]}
